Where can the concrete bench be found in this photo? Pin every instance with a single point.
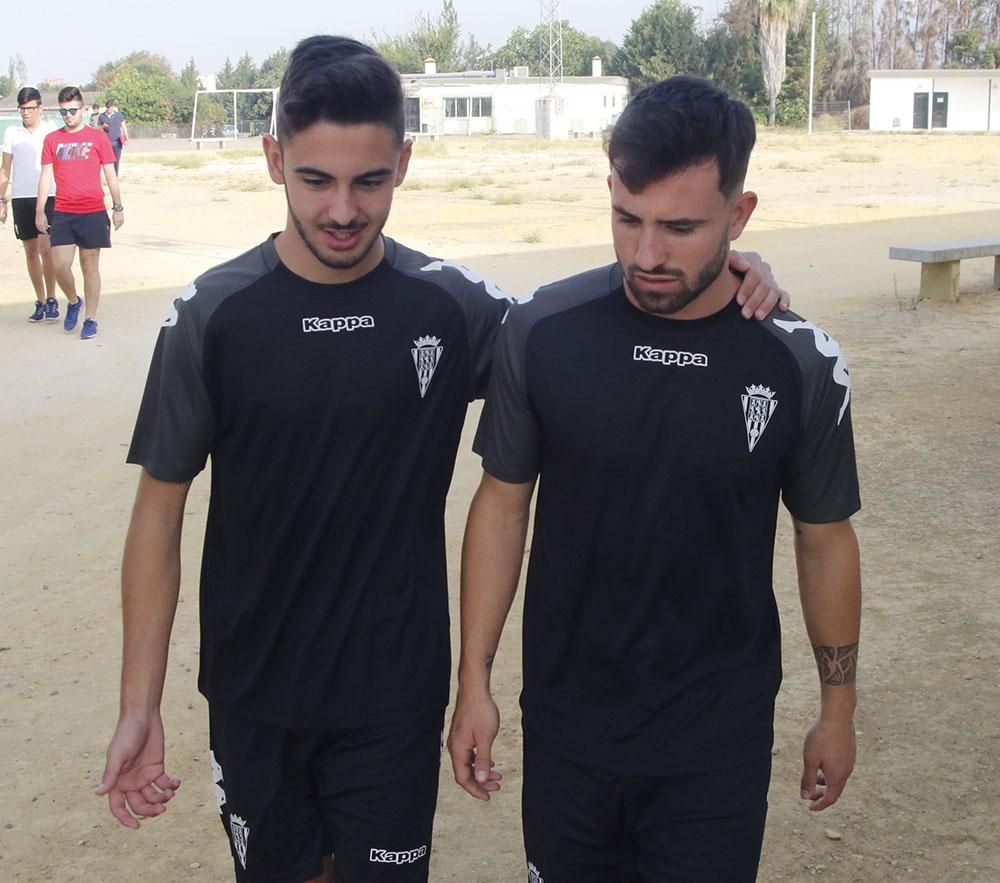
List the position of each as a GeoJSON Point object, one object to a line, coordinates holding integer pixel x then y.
{"type": "Point", "coordinates": [939, 262]}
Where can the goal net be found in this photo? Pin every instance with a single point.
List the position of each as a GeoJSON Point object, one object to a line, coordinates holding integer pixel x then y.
{"type": "Point", "coordinates": [228, 114]}
{"type": "Point", "coordinates": [831, 116]}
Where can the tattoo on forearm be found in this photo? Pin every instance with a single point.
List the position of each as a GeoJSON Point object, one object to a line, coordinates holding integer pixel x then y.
{"type": "Point", "coordinates": [837, 665]}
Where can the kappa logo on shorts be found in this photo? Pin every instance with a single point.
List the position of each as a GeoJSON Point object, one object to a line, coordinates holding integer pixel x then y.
{"type": "Point", "coordinates": [240, 832]}
{"type": "Point", "coordinates": [669, 357]}
{"type": "Point", "coordinates": [406, 857]}
{"type": "Point", "coordinates": [534, 875]}
{"type": "Point", "coordinates": [758, 406]}
{"type": "Point", "coordinates": [426, 355]}
{"type": "Point", "coordinates": [337, 324]}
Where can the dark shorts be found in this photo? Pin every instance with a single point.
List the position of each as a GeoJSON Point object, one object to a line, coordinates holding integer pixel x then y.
{"type": "Point", "coordinates": [23, 209]}
{"type": "Point", "coordinates": [587, 826]}
{"type": "Point", "coordinates": [91, 230]}
{"type": "Point", "coordinates": [289, 797]}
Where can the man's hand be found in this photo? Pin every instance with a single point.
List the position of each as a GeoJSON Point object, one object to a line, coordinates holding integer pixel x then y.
{"type": "Point", "coordinates": [759, 292]}
{"type": "Point", "coordinates": [42, 223]}
{"type": "Point", "coordinates": [118, 218]}
{"type": "Point", "coordinates": [474, 726]}
{"type": "Point", "coordinates": [134, 778]}
{"type": "Point", "coordinates": [827, 761]}
{"type": "Point", "coordinates": [3, 212]}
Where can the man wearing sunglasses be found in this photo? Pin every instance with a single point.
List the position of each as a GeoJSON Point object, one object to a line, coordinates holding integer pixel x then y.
{"type": "Point", "coordinates": [75, 156]}
{"type": "Point", "coordinates": [21, 166]}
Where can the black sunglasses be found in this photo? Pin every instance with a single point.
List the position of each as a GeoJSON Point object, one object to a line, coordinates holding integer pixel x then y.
{"type": "Point", "coordinates": [66, 111]}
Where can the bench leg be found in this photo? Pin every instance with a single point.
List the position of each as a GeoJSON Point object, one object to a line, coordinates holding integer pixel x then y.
{"type": "Point", "coordinates": [939, 281]}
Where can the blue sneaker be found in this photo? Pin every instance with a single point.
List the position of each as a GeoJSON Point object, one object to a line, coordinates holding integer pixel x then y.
{"type": "Point", "coordinates": [39, 313]}
{"type": "Point", "coordinates": [89, 329]}
{"type": "Point", "coordinates": [72, 314]}
{"type": "Point", "coordinates": [51, 309]}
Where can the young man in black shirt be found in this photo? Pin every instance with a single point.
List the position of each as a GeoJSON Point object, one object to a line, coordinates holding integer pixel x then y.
{"type": "Point", "coordinates": [326, 373]}
{"type": "Point", "coordinates": [662, 431]}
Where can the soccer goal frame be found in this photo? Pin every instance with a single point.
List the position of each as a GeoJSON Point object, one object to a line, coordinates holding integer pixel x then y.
{"type": "Point", "coordinates": [273, 128]}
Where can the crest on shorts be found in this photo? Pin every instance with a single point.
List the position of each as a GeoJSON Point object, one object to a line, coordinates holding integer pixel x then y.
{"type": "Point", "coordinates": [758, 406]}
{"type": "Point", "coordinates": [426, 355]}
{"type": "Point", "coordinates": [240, 832]}
{"type": "Point", "coordinates": [534, 875]}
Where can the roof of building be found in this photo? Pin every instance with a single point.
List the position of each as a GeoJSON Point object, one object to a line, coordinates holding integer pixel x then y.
{"type": "Point", "coordinates": [466, 78]}
{"type": "Point", "coordinates": [50, 99]}
{"type": "Point", "coordinates": [936, 73]}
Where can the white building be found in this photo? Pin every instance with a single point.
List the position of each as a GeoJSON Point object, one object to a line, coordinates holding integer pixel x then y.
{"type": "Point", "coordinates": [511, 103]}
{"type": "Point", "coordinates": [951, 100]}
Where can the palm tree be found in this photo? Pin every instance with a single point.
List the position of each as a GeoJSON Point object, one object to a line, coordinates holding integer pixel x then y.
{"type": "Point", "coordinates": [775, 17]}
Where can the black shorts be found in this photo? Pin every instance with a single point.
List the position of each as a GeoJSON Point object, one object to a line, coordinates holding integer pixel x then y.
{"type": "Point", "coordinates": [586, 826]}
{"type": "Point", "coordinates": [23, 209]}
{"type": "Point", "coordinates": [90, 230]}
{"type": "Point", "coordinates": [289, 797]}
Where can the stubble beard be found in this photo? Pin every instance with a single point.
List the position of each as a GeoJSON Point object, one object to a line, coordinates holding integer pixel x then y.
{"type": "Point", "coordinates": [661, 303]}
{"type": "Point", "coordinates": [335, 263]}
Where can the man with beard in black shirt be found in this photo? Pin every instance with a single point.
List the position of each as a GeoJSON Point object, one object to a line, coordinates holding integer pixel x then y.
{"type": "Point", "coordinates": [662, 431]}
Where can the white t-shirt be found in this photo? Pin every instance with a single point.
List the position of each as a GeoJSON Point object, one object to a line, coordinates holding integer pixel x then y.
{"type": "Point", "coordinates": [26, 148]}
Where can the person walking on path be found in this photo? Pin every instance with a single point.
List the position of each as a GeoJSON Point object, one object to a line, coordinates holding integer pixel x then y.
{"type": "Point", "coordinates": [112, 121]}
{"type": "Point", "coordinates": [662, 430]}
{"type": "Point", "coordinates": [75, 156]}
{"type": "Point", "coordinates": [21, 167]}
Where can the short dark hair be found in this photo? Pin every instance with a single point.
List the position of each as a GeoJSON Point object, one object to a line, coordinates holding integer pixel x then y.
{"type": "Point", "coordinates": [69, 93]}
{"type": "Point", "coordinates": [338, 80]}
{"type": "Point", "coordinates": [29, 93]}
{"type": "Point", "coordinates": [678, 123]}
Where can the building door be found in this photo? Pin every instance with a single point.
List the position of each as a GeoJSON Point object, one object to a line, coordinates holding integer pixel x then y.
{"type": "Point", "coordinates": [411, 114]}
{"type": "Point", "coordinates": [940, 119]}
{"type": "Point", "coordinates": [920, 107]}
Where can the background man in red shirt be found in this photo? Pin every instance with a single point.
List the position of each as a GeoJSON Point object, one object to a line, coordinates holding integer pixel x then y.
{"type": "Point", "coordinates": [75, 155]}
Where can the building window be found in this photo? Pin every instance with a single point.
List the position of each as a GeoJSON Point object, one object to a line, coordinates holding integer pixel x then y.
{"type": "Point", "coordinates": [482, 107]}
{"type": "Point", "coordinates": [456, 107]}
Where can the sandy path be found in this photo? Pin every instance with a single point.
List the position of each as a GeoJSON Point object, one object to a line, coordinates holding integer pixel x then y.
{"type": "Point", "coordinates": [927, 415]}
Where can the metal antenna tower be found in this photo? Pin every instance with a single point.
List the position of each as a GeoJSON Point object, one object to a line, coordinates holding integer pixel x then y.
{"type": "Point", "coordinates": [551, 49]}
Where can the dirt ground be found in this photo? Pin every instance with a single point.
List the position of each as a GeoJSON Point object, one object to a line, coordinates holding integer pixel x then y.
{"type": "Point", "coordinates": [923, 804]}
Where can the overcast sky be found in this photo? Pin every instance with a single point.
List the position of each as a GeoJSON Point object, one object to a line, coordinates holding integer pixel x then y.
{"type": "Point", "coordinates": [82, 36]}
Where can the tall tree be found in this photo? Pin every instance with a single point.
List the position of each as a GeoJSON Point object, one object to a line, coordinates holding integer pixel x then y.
{"type": "Point", "coordinates": [661, 42]}
{"type": "Point", "coordinates": [774, 18]}
{"type": "Point", "coordinates": [731, 57]}
{"type": "Point", "coordinates": [523, 47]}
{"type": "Point", "coordinates": [188, 83]}
{"type": "Point", "coordinates": [144, 97]}
{"type": "Point", "coordinates": [17, 71]}
{"type": "Point", "coordinates": [143, 61]}
{"type": "Point", "coordinates": [431, 36]}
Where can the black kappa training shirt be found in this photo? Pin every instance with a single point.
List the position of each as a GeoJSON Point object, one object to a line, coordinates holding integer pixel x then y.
{"type": "Point", "coordinates": [662, 446]}
{"type": "Point", "coordinates": [332, 415]}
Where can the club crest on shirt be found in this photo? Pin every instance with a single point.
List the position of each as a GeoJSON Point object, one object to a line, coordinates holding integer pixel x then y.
{"type": "Point", "coordinates": [758, 406]}
{"type": "Point", "coordinates": [426, 355]}
{"type": "Point", "coordinates": [240, 832]}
